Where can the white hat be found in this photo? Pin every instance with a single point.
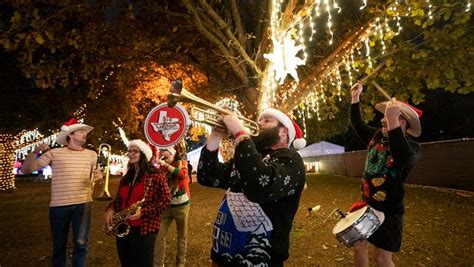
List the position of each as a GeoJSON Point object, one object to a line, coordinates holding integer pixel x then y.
{"type": "Point", "coordinates": [294, 131]}
{"type": "Point", "coordinates": [169, 149]}
{"type": "Point", "coordinates": [143, 147]}
{"type": "Point", "coordinates": [409, 113]}
{"type": "Point", "coordinates": [71, 126]}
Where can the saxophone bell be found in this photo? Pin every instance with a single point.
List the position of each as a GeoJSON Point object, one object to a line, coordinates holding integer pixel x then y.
{"type": "Point", "coordinates": [120, 226]}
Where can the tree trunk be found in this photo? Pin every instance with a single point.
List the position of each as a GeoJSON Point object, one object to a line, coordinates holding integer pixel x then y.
{"type": "Point", "coordinates": [248, 98]}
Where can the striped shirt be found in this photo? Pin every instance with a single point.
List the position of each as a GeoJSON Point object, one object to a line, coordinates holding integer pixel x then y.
{"type": "Point", "coordinates": [71, 174]}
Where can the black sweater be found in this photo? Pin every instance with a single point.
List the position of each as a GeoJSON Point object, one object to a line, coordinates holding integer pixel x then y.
{"type": "Point", "coordinates": [389, 161]}
{"type": "Point", "coordinates": [272, 181]}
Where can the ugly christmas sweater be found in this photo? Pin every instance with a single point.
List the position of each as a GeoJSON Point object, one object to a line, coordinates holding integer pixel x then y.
{"type": "Point", "coordinates": [389, 161]}
{"type": "Point", "coordinates": [254, 220]}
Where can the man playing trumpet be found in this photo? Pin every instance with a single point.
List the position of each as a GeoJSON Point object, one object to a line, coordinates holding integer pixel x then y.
{"type": "Point", "coordinates": [264, 181]}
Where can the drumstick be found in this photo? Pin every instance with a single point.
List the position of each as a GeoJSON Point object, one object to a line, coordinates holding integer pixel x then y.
{"type": "Point", "coordinates": [379, 67]}
{"type": "Point", "coordinates": [381, 90]}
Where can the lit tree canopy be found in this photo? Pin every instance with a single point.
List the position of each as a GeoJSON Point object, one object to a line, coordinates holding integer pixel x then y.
{"type": "Point", "coordinates": [121, 56]}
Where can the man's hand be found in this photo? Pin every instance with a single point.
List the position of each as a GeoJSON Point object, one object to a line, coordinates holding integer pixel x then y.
{"type": "Point", "coordinates": [41, 148]}
{"type": "Point", "coordinates": [233, 124]}
{"type": "Point", "coordinates": [356, 90]}
{"type": "Point", "coordinates": [392, 113]}
{"type": "Point", "coordinates": [98, 177]}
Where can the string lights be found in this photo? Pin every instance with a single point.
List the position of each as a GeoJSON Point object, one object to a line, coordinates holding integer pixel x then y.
{"type": "Point", "coordinates": [284, 59]}
{"type": "Point", "coordinates": [7, 158]}
{"type": "Point", "coordinates": [15, 148]}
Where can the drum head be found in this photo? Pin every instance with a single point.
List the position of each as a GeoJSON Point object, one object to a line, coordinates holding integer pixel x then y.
{"type": "Point", "coordinates": [349, 220]}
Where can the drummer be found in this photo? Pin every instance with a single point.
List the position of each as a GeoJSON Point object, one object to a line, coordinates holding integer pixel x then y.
{"type": "Point", "coordinates": [391, 155]}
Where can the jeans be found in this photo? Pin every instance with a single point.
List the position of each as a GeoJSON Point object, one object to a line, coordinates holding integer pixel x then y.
{"type": "Point", "coordinates": [180, 214]}
{"type": "Point", "coordinates": [60, 218]}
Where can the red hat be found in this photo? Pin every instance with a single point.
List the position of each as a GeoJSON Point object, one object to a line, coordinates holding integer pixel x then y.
{"type": "Point", "coordinates": [69, 127]}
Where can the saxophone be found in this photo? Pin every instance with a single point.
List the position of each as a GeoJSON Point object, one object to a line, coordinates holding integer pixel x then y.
{"type": "Point", "coordinates": [120, 226]}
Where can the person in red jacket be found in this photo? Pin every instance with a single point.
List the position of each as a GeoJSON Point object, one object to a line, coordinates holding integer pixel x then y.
{"type": "Point", "coordinates": [141, 182]}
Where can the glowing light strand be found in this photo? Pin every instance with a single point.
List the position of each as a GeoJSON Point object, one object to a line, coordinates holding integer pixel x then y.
{"type": "Point", "coordinates": [303, 47]}
{"type": "Point", "coordinates": [430, 16]}
{"type": "Point", "coordinates": [329, 23]}
{"type": "Point", "coordinates": [381, 35]}
{"type": "Point", "coordinates": [367, 51]}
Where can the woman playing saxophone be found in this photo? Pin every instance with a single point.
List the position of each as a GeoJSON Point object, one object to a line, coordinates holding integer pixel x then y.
{"type": "Point", "coordinates": [144, 185]}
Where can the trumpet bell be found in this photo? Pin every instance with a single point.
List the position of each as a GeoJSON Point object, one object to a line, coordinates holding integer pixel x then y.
{"type": "Point", "coordinates": [175, 92]}
{"type": "Point", "coordinates": [178, 94]}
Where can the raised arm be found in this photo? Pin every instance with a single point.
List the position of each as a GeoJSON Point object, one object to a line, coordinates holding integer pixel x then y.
{"type": "Point", "coordinates": [360, 127]}
{"type": "Point", "coordinates": [32, 164]}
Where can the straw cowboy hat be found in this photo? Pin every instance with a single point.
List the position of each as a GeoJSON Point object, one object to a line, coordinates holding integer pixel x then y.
{"type": "Point", "coordinates": [71, 126]}
{"type": "Point", "coordinates": [409, 113]}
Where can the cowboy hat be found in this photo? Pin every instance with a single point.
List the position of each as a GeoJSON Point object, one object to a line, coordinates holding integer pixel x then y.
{"type": "Point", "coordinates": [409, 113]}
{"type": "Point", "coordinates": [69, 127]}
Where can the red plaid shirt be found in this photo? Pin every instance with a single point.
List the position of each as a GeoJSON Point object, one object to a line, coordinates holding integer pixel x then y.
{"type": "Point", "coordinates": [157, 200]}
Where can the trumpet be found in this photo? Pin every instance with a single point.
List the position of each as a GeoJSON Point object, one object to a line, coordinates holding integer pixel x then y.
{"type": "Point", "coordinates": [119, 226]}
{"type": "Point", "coordinates": [103, 162]}
{"type": "Point", "coordinates": [201, 112]}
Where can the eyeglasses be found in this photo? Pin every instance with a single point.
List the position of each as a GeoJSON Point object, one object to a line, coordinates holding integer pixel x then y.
{"type": "Point", "coordinates": [133, 151]}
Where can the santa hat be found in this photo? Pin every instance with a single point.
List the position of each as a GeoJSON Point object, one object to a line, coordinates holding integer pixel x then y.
{"type": "Point", "coordinates": [295, 134]}
{"type": "Point", "coordinates": [143, 147]}
{"type": "Point", "coordinates": [409, 113]}
{"type": "Point", "coordinates": [169, 149]}
{"type": "Point", "coordinates": [68, 127]}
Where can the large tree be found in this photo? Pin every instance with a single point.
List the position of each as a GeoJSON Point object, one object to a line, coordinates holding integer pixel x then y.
{"type": "Point", "coordinates": [119, 56]}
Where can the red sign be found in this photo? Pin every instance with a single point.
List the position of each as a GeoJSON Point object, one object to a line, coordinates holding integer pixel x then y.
{"type": "Point", "coordinates": [165, 126]}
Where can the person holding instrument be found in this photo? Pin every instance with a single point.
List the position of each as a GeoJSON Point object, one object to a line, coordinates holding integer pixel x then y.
{"type": "Point", "coordinates": [73, 171]}
{"type": "Point", "coordinates": [141, 184]}
{"type": "Point", "coordinates": [264, 181]}
{"type": "Point", "coordinates": [390, 158]}
{"type": "Point", "coordinates": [175, 166]}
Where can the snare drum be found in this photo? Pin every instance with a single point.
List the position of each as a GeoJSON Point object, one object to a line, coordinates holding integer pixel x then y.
{"type": "Point", "coordinates": [358, 225]}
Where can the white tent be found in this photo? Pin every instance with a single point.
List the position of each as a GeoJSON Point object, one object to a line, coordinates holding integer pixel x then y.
{"type": "Point", "coordinates": [193, 157]}
{"type": "Point", "coordinates": [321, 148]}
{"type": "Point", "coordinates": [316, 149]}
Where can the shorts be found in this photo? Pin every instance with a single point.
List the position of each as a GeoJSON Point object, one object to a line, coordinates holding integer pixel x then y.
{"type": "Point", "coordinates": [389, 234]}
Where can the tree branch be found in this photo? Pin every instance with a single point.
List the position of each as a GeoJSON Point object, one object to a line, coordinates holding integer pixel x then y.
{"type": "Point", "coordinates": [321, 70]}
{"type": "Point", "coordinates": [223, 25]}
{"type": "Point", "coordinates": [227, 55]}
{"type": "Point", "coordinates": [238, 22]}
{"type": "Point", "coordinates": [209, 25]}
{"type": "Point", "coordinates": [290, 21]}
